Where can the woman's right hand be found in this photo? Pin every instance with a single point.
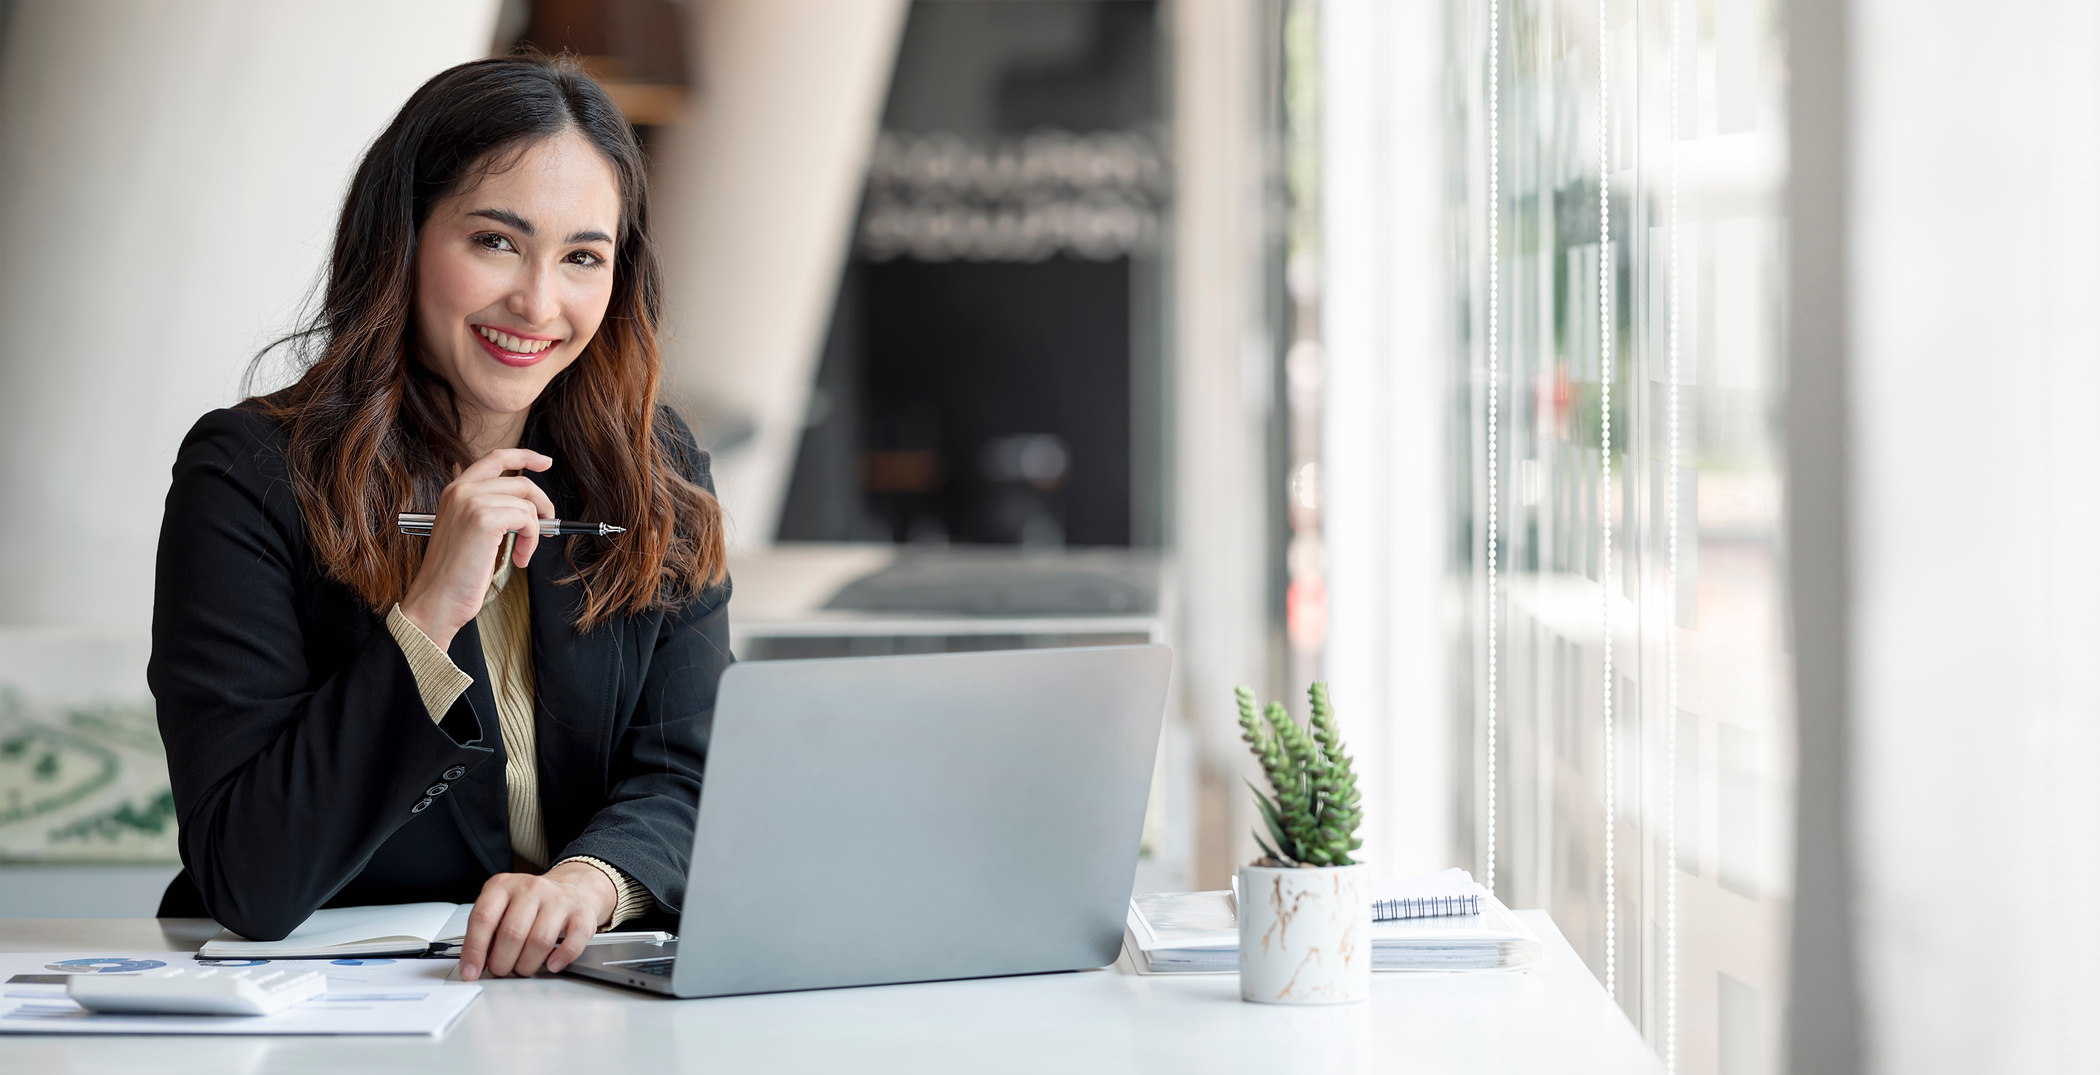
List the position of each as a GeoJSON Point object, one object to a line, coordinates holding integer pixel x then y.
{"type": "Point", "coordinates": [473, 514]}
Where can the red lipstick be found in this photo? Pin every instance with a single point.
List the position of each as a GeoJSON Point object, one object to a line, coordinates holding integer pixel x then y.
{"type": "Point", "coordinates": [516, 359]}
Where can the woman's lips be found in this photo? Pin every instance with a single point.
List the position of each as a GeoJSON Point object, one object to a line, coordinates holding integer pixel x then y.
{"type": "Point", "coordinates": [511, 358]}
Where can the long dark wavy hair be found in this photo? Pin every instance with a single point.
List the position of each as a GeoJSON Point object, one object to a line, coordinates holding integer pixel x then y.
{"type": "Point", "coordinates": [373, 432]}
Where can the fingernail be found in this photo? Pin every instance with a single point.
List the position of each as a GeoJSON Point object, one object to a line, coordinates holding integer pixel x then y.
{"type": "Point", "coordinates": [470, 972]}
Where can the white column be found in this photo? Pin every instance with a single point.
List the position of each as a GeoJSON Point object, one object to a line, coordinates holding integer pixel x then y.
{"type": "Point", "coordinates": [1386, 393]}
{"type": "Point", "coordinates": [1221, 378]}
{"type": "Point", "coordinates": [757, 198]}
{"type": "Point", "coordinates": [169, 180]}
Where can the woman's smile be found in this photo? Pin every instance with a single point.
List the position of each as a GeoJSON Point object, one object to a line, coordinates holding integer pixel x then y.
{"type": "Point", "coordinates": [514, 349]}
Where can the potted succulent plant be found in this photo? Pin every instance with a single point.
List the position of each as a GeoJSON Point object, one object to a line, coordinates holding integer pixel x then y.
{"type": "Point", "coordinates": [1305, 905]}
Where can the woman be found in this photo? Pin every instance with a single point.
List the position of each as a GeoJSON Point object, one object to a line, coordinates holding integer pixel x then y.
{"type": "Point", "coordinates": [354, 716]}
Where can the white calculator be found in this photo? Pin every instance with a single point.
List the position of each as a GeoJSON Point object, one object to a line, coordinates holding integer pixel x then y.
{"type": "Point", "coordinates": [199, 990]}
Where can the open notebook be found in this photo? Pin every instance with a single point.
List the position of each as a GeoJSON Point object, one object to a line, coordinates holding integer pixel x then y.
{"type": "Point", "coordinates": [401, 929]}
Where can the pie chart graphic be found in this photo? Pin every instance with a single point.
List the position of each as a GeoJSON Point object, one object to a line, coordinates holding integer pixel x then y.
{"type": "Point", "coordinates": [103, 965]}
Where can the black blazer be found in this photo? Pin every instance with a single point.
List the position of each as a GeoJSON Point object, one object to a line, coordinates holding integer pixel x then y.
{"type": "Point", "coordinates": [306, 770]}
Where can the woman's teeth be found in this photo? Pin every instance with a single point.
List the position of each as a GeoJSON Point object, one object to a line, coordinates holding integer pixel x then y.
{"type": "Point", "coordinates": [511, 343]}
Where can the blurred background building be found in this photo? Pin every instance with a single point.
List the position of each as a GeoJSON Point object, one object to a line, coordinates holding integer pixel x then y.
{"type": "Point", "coordinates": [1664, 422]}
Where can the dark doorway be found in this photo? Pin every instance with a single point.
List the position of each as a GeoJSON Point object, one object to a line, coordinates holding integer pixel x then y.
{"type": "Point", "coordinates": [991, 373]}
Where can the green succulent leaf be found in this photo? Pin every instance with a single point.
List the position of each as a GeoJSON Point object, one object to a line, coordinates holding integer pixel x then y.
{"type": "Point", "coordinates": [1313, 809]}
{"type": "Point", "coordinates": [1273, 818]}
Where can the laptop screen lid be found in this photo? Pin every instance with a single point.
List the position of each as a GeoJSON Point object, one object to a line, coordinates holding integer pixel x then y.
{"type": "Point", "coordinates": [867, 820]}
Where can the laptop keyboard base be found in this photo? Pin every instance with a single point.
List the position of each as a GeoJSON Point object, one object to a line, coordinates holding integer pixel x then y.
{"type": "Point", "coordinates": [660, 968]}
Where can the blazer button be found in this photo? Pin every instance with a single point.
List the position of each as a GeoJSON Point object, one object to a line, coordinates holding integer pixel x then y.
{"type": "Point", "coordinates": [455, 772]}
{"type": "Point", "coordinates": [421, 805]}
{"type": "Point", "coordinates": [435, 790]}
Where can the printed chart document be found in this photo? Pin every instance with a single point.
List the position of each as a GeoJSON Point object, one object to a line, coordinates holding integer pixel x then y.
{"type": "Point", "coordinates": [401, 929]}
{"type": "Point", "coordinates": [1199, 933]}
{"type": "Point", "coordinates": [365, 996]}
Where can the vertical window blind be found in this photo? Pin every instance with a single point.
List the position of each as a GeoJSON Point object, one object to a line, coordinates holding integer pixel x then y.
{"type": "Point", "coordinates": [1630, 710]}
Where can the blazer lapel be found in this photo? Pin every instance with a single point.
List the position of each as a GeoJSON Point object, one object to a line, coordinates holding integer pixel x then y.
{"type": "Point", "coordinates": [480, 800]}
{"type": "Point", "coordinates": [576, 675]}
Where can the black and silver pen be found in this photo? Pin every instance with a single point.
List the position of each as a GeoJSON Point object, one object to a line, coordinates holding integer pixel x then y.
{"type": "Point", "coordinates": [416, 524]}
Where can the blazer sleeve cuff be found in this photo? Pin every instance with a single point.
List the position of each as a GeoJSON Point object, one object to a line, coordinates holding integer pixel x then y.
{"type": "Point", "coordinates": [632, 900]}
{"type": "Point", "coordinates": [437, 678]}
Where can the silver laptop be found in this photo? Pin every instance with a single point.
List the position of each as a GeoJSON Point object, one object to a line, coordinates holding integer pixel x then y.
{"type": "Point", "coordinates": [867, 820]}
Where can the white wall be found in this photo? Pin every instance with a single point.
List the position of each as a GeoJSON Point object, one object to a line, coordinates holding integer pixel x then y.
{"type": "Point", "coordinates": [1385, 396]}
{"type": "Point", "coordinates": [169, 176]}
{"type": "Point", "coordinates": [1975, 363]}
{"type": "Point", "coordinates": [757, 198]}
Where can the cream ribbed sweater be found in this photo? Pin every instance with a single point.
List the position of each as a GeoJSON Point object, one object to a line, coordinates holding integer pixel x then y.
{"type": "Point", "coordinates": [505, 625]}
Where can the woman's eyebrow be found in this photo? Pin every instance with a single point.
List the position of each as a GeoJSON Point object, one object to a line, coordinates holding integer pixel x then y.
{"type": "Point", "coordinates": [505, 216]}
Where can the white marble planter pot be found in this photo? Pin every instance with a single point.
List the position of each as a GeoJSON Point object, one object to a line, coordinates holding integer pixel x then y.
{"type": "Point", "coordinates": [1305, 935]}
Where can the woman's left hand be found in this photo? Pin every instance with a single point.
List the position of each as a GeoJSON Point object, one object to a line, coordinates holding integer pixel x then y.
{"type": "Point", "coordinates": [523, 921]}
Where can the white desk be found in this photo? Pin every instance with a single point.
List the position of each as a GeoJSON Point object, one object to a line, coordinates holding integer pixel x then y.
{"type": "Point", "coordinates": [1555, 1018]}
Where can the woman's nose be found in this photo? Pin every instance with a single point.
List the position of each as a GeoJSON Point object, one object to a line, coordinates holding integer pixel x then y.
{"type": "Point", "coordinates": [535, 299]}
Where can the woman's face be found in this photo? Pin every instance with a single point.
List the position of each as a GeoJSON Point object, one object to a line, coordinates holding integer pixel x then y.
{"type": "Point", "coordinates": [512, 279]}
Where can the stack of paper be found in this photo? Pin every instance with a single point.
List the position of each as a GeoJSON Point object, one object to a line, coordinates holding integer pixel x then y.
{"type": "Point", "coordinates": [365, 996]}
{"type": "Point", "coordinates": [1183, 933]}
{"type": "Point", "coordinates": [1198, 932]}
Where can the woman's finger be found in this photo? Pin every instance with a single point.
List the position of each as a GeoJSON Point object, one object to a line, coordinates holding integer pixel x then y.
{"type": "Point", "coordinates": [481, 929]}
{"type": "Point", "coordinates": [517, 491]}
{"type": "Point", "coordinates": [521, 553]}
{"type": "Point", "coordinates": [507, 486]}
{"type": "Point", "coordinates": [490, 518]}
{"type": "Point", "coordinates": [541, 940]}
{"type": "Point", "coordinates": [515, 932]}
{"type": "Point", "coordinates": [502, 459]}
{"type": "Point", "coordinates": [578, 934]}
{"type": "Point", "coordinates": [517, 486]}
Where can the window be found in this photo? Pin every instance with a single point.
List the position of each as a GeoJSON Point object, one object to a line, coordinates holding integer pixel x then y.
{"type": "Point", "coordinates": [1620, 176]}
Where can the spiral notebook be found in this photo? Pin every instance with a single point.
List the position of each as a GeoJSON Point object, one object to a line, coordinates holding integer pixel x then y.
{"type": "Point", "coordinates": [1438, 895]}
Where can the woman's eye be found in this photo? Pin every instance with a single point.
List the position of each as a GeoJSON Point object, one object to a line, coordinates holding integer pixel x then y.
{"type": "Point", "coordinates": [586, 259]}
{"type": "Point", "coordinates": [491, 241]}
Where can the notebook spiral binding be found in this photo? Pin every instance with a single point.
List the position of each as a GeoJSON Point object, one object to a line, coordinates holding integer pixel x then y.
{"type": "Point", "coordinates": [1424, 907]}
